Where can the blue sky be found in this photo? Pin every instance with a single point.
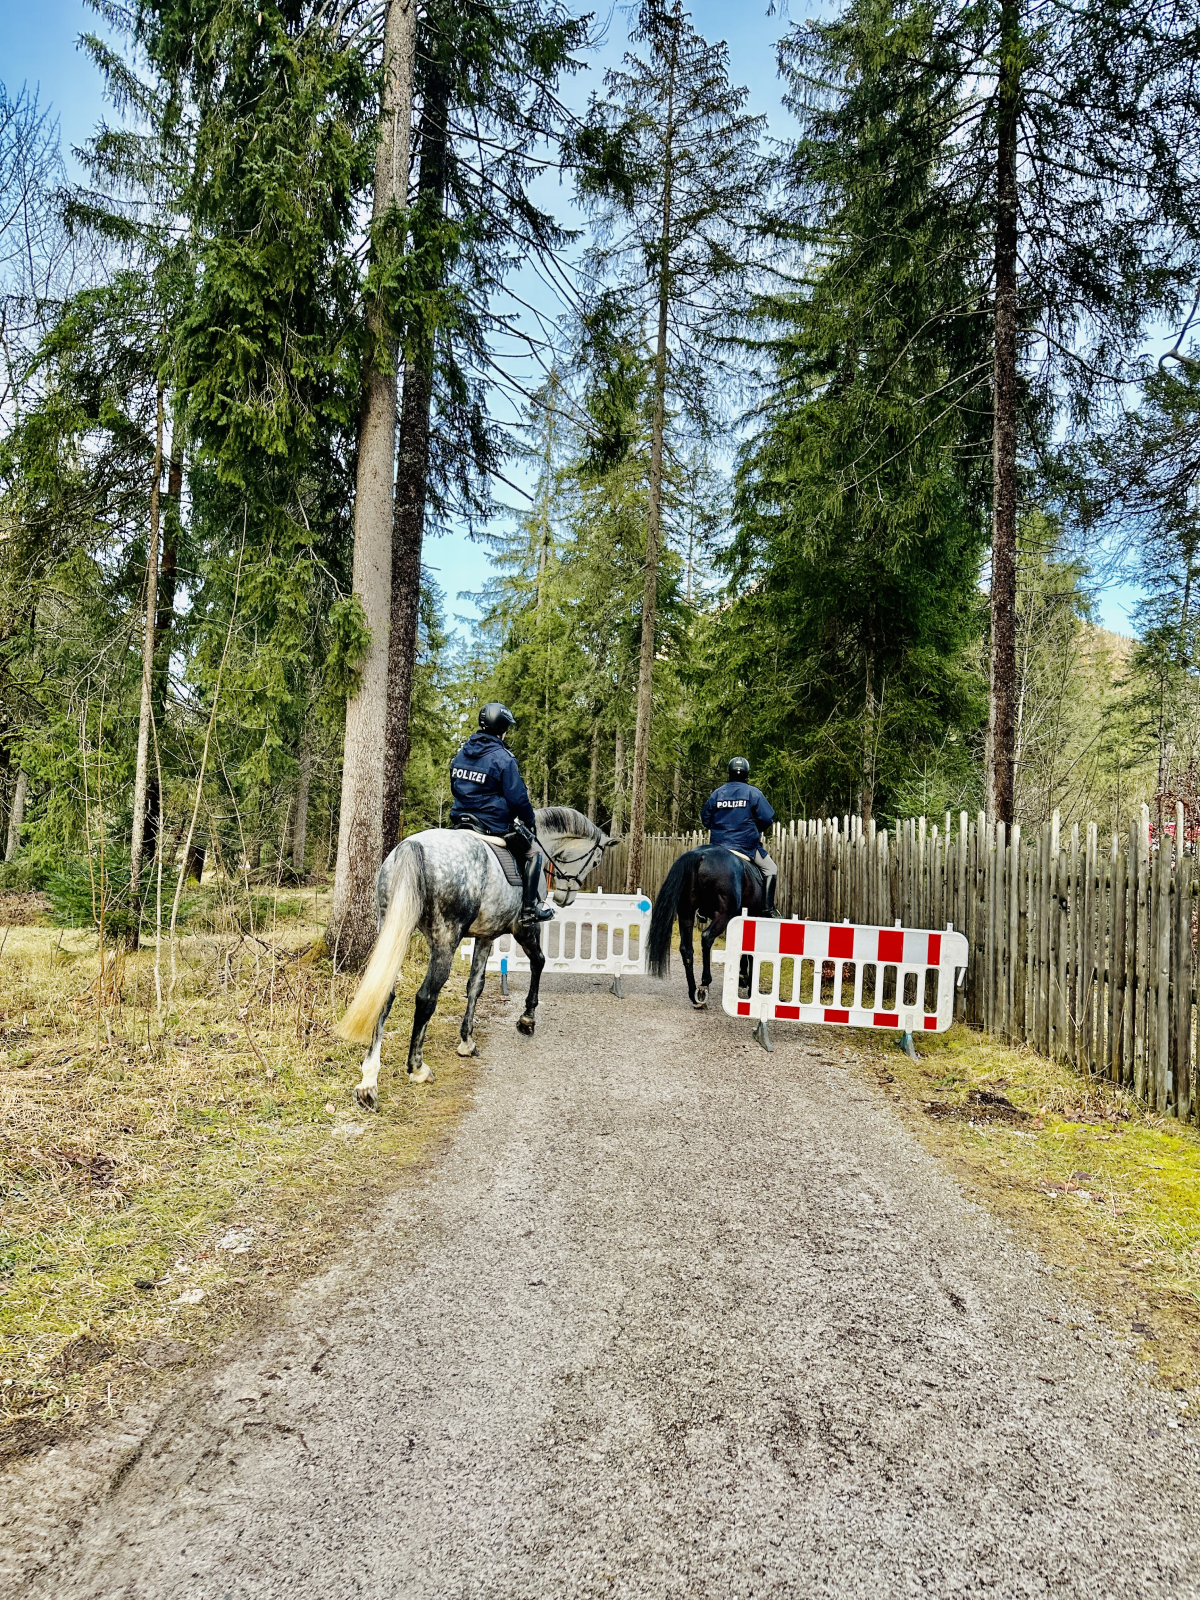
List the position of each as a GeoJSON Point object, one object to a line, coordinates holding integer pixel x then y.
{"type": "Point", "coordinates": [38, 44]}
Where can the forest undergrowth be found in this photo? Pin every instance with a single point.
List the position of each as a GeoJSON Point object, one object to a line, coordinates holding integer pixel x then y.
{"type": "Point", "coordinates": [1107, 1191]}
{"type": "Point", "coordinates": [165, 1182]}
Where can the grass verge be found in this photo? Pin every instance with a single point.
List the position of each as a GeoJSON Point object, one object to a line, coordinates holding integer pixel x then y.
{"type": "Point", "coordinates": [1107, 1191]}
{"type": "Point", "coordinates": [163, 1183]}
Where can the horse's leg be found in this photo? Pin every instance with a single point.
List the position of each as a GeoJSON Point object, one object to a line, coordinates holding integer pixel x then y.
{"type": "Point", "coordinates": [441, 960]}
{"type": "Point", "coordinates": [530, 940]}
{"type": "Point", "coordinates": [687, 952]}
{"type": "Point", "coordinates": [479, 961]}
{"type": "Point", "coordinates": [367, 1092]}
{"type": "Point", "coordinates": [708, 938]}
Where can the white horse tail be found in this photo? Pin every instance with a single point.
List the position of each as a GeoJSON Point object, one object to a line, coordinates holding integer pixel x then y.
{"type": "Point", "coordinates": [391, 946]}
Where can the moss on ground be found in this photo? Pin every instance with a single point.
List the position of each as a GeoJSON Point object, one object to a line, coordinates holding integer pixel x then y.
{"type": "Point", "coordinates": [1108, 1191]}
{"type": "Point", "coordinates": [163, 1183]}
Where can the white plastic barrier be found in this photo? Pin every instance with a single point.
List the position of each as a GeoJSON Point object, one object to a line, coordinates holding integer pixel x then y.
{"type": "Point", "coordinates": [843, 973]}
{"type": "Point", "coordinates": [605, 933]}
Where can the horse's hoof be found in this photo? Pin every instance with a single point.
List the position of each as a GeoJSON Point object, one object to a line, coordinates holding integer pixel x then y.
{"type": "Point", "coordinates": [699, 1005]}
{"type": "Point", "coordinates": [465, 1047]}
{"type": "Point", "coordinates": [367, 1098]}
{"type": "Point", "coordinates": [424, 1074]}
{"type": "Point", "coordinates": [525, 1025]}
{"type": "Point", "coordinates": [701, 999]}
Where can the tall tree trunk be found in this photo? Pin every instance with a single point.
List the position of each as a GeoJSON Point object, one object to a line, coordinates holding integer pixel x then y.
{"type": "Point", "coordinates": [676, 780]}
{"type": "Point", "coordinates": [618, 805]}
{"type": "Point", "coordinates": [142, 769]}
{"type": "Point", "coordinates": [16, 816]}
{"type": "Point", "coordinates": [300, 828]}
{"type": "Point", "coordinates": [408, 523]}
{"type": "Point", "coordinates": [408, 529]}
{"type": "Point", "coordinates": [594, 772]}
{"type": "Point", "coordinates": [546, 754]}
{"type": "Point", "coordinates": [868, 775]}
{"type": "Point", "coordinates": [165, 619]}
{"type": "Point", "coordinates": [645, 692]}
{"type": "Point", "coordinates": [360, 825]}
{"type": "Point", "coordinates": [543, 566]}
{"type": "Point", "coordinates": [1002, 710]}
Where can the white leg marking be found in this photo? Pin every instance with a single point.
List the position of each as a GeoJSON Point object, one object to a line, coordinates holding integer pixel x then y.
{"type": "Point", "coordinates": [367, 1092]}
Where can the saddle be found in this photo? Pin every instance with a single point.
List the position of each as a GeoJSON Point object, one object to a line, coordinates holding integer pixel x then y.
{"type": "Point", "coordinates": [752, 864]}
{"type": "Point", "coordinates": [757, 872]}
{"type": "Point", "coordinates": [754, 868]}
{"type": "Point", "coordinates": [508, 862]}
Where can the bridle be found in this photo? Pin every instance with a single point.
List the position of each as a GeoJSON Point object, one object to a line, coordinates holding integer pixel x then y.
{"type": "Point", "coordinates": [574, 879]}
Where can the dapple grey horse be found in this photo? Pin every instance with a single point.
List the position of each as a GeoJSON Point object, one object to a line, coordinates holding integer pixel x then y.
{"type": "Point", "coordinates": [449, 885]}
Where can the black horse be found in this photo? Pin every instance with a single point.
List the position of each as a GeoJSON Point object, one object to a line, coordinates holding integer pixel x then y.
{"type": "Point", "coordinates": [711, 883]}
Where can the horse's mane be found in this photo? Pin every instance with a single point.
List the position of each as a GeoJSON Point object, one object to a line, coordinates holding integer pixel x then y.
{"type": "Point", "coordinates": [568, 823]}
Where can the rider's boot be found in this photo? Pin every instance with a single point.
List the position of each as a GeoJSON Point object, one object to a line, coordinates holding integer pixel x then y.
{"type": "Point", "coordinates": [769, 883]}
{"type": "Point", "coordinates": [531, 912]}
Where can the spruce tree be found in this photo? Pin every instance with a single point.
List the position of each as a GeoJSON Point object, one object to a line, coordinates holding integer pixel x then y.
{"type": "Point", "coordinates": [861, 519]}
{"type": "Point", "coordinates": [670, 177]}
{"type": "Point", "coordinates": [1063, 136]}
{"type": "Point", "coordinates": [1142, 491]}
{"type": "Point", "coordinates": [360, 822]}
{"type": "Point", "coordinates": [486, 78]}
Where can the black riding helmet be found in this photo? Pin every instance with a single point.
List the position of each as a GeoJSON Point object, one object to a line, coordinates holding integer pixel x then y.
{"type": "Point", "coordinates": [497, 719]}
{"type": "Point", "coordinates": [739, 770]}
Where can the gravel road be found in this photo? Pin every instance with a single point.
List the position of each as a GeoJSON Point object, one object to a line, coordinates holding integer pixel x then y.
{"type": "Point", "coordinates": [672, 1317]}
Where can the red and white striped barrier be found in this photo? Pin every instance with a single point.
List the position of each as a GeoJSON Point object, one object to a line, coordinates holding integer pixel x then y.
{"type": "Point", "coordinates": [842, 973]}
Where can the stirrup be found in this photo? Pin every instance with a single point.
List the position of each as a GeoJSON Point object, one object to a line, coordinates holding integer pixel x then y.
{"type": "Point", "coordinates": [536, 913]}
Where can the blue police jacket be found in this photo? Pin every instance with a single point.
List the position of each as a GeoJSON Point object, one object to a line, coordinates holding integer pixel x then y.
{"type": "Point", "coordinates": [735, 815]}
{"type": "Point", "coordinates": [487, 783]}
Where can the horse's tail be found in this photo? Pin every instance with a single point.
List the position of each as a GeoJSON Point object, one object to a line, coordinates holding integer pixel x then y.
{"type": "Point", "coordinates": [391, 945]}
{"type": "Point", "coordinates": [666, 904]}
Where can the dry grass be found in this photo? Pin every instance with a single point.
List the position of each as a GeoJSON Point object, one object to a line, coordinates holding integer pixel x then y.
{"type": "Point", "coordinates": [1107, 1190]}
{"type": "Point", "coordinates": [163, 1183]}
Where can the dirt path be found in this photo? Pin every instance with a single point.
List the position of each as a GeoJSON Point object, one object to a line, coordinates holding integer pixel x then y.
{"type": "Point", "coordinates": [673, 1317]}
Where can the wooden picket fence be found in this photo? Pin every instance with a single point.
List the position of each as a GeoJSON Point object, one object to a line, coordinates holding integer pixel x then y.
{"type": "Point", "coordinates": [1085, 953]}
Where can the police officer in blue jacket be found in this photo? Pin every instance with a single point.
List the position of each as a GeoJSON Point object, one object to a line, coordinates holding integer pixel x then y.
{"type": "Point", "coordinates": [490, 797]}
{"type": "Point", "coordinates": [736, 815]}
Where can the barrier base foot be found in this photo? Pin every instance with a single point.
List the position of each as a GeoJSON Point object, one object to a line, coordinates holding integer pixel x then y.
{"type": "Point", "coordinates": [504, 984]}
{"type": "Point", "coordinates": [616, 988]}
{"type": "Point", "coordinates": [763, 1037]}
{"type": "Point", "coordinates": [909, 1048]}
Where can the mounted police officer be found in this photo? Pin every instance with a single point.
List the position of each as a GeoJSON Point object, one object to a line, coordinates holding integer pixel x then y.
{"type": "Point", "coordinates": [736, 815]}
{"type": "Point", "coordinates": [490, 797]}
